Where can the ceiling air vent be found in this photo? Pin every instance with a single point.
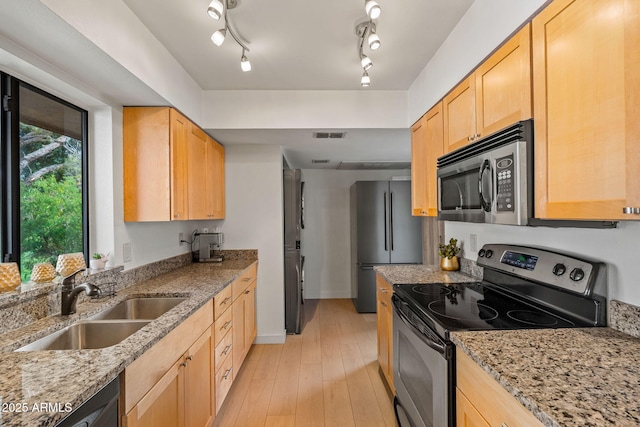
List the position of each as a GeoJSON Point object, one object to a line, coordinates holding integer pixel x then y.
{"type": "Point", "coordinates": [319, 161]}
{"type": "Point", "coordinates": [373, 165]}
{"type": "Point", "coordinates": [329, 135]}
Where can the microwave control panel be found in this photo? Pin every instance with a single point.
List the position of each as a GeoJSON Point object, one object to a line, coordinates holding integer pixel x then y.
{"type": "Point", "coordinates": [505, 172]}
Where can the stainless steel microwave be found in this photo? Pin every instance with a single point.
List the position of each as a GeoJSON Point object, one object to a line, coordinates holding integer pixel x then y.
{"type": "Point", "coordinates": [490, 180]}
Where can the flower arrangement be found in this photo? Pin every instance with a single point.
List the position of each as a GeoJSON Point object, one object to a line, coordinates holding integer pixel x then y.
{"type": "Point", "coordinates": [98, 261]}
{"type": "Point", "coordinates": [450, 249]}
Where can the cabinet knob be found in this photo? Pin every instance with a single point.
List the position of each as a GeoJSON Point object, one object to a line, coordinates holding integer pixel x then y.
{"type": "Point", "coordinates": [470, 138]}
{"type": "Point", "coordinates": [630, 210]}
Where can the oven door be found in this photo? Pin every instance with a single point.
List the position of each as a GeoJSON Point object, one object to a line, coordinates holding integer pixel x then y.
{"type": "Point", "coordinates": [423, 372]}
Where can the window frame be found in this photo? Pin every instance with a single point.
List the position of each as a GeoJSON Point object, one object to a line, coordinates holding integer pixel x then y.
{"type": "Point", "coordinates": [10, 174]}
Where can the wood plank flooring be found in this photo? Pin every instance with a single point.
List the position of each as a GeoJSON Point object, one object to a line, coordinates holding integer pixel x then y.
{"type": "Point", "coordinates": [326, 376]}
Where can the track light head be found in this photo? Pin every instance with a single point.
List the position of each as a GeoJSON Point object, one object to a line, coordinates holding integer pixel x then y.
{"type": "Point", "coordinates": [365, 81]}
{"type": "Point", "coordinates": [365, 61]}
{"type": "Point", "coordinates": [244, 62]}
{"type": "Point", "coordinates": [215, 9]}
{"type": "Point", "coordinates": [374, 41]}
{"type": "Point", "coordinates": [372, 8]}
{"type": "Point", "coordinates": [218, 37]}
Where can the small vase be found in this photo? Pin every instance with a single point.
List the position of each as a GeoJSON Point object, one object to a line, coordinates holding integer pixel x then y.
{"type": "Point", "coordinates": [449, 264]}
{"type": "Point", "coordinates": [97, 264]}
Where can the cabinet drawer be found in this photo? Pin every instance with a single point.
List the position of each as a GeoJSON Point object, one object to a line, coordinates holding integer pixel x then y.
{"type": "Point", "coordinates": [222, 302]}
{"type": "Point", "coordinates": [223, 350]}
{"type": "Point", "coordinates": [224, 379]}
{"type": "Point", "coordinates": [223, 325]}
{"type": "Point", "coordinates": [492, 401]}
{"type": "Point", "coordinates": [241, 283]}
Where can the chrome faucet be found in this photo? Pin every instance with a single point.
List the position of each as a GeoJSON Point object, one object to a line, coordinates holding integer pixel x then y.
{"type": "Point", "coordinates": [70, 292]}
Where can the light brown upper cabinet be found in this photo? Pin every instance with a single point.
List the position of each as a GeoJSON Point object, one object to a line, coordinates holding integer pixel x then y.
{"type": "Point", "coordinates": [426, 146]}
{"type": "Point", "coordinates": [496, 95]}
{"type": "Point", "coordinates": [586, 69]}
{"type": "Point", "coordinates": [172, 169]}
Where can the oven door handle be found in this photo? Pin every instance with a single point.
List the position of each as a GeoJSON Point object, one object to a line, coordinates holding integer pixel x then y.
{"type": "Point", "coordinates": [428, 337]}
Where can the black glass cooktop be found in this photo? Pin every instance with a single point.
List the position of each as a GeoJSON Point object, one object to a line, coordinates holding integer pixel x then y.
{"type": "Point", "coordinates": [477, 306]}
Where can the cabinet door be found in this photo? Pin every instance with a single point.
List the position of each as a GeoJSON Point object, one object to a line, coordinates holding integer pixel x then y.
{"type": "Point", "coordinates": [239, 330]}
{"type": "Point", "coordinates": [460, 115]}
{"type": "Point", "coordinates": [385, 332]}
{"type": "Point", "coordinates": [435, 140]}
{"type": "Point", "coordinates": [215, 180]}
{"type": "Point", "coordinates": [586, 109]}
{"type": "Point", "coordinates": [466, 414]}
{"type": "Point", "coordinates": [163, 405]}
{"type": "Point", "coordinates": [419, 168]}
{"type": "Point", "coordinates": [250, 316]}
{"type": "Point", "coordinates": [199, 392]}
{"type": "Point", "coordinates": [197, 173]}
{"type": "Point", "coordinates": [178, 142]}
{"type": "Point", "coordinates": [503, 85]}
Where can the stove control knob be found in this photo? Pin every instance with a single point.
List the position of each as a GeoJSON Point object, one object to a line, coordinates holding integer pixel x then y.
{"type": "Point", "coordinates": [489, 253]}
{"type": "Point", "coordinates": [576, 274]}
{"type": "Point", "coordinates": [559, 269]}
{"type": "Point", "coordinates": [481, 253]}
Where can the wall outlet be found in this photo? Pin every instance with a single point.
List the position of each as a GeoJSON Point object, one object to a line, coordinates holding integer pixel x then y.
{"type": "Point", "coordinates": [181, 239]}
{"type": "Point", "coordinates": [473, 242]}
{"type": "Point", "coordinates": [126, 252]}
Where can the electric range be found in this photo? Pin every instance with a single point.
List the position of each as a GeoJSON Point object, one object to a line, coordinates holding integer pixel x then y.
{"type": "Point", "coordinates": [522, 288]}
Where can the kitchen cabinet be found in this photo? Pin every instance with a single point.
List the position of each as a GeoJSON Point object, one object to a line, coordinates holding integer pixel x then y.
{"type": "Point", "coordinates": [384, 314]}
{"type": "Point", "coordinates": [495, 95]}
{"type": "Point", "coordinates": [172, 169]}
{"type": "Point", "coordinates": [171, 384]}
{"type": "Point", "coordinates": [586, 107]}
{"type": "Point", "coordinates": [244, 323]}
{"type": "Point", "coordinates": [482, 401]}
{"type": "Point", "coordinates": [427, 140]}
{"type": "Point", "coordinates": [205, 176]}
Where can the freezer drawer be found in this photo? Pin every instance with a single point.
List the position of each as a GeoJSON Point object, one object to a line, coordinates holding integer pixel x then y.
{"type": "Point", "coordinates": [365, 301]}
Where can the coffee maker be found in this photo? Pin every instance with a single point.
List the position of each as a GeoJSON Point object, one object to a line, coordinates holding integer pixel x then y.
{"type": "Point", "coordinates": [207, 243]}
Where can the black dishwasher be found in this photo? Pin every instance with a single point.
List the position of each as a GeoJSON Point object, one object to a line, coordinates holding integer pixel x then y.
{"type": "Point", "coordinates": [100, 410]}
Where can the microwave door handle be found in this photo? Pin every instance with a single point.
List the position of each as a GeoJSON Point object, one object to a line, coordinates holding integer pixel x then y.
{"type": "Point", "coordinates": [486, 165]}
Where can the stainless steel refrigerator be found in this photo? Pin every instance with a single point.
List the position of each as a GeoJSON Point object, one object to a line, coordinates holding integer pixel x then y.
{"type": "Point", "coordinates": [382, 232]}
{"type": "Point", "coordinates": [293, 259]}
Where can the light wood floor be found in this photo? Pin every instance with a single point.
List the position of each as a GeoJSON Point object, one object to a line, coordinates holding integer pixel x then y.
{"type": "Point", "coordinates": [326, 376]}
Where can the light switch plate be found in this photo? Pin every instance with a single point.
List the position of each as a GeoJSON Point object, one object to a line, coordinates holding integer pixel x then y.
{"type": "Point", "coordinates": [126, 252]}
{"type": "Point", "coordinates": [473, 242]}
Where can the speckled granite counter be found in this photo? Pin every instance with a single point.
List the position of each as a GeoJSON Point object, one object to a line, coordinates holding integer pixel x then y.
{"type": "Point", "coordinates": [420, 273]}
{"type": "Point", "coordinates": [565, 377]}
{"type": "Point", "coordinates": [61, 377]}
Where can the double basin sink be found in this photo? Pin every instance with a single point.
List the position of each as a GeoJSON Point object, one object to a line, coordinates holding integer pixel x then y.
{"type": "Point", "coordinates": [107, 328]}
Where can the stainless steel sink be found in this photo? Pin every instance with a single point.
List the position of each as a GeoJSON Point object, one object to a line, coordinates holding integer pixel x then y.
{"type": "Point", "coordinates": [87, 335]}
{"type": "Point", "coordinates": [139, 308]}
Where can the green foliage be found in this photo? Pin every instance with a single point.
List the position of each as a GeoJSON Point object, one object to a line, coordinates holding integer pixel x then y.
{"type": "Point", "coordinates": [449, 250]}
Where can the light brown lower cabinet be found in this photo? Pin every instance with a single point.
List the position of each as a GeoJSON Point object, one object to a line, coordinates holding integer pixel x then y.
{"type": "Point", "coordinates": [171, 383]}
{"type": "Point", "coordinates": [384, 291]}
{"type": "Point", "coordinates": [482, 401]}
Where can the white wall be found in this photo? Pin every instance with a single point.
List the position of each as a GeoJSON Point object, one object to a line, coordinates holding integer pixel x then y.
{"type": "Point", "coordinates": [254, 215]}
{"type": "Point", "coordinates": [326, 240]}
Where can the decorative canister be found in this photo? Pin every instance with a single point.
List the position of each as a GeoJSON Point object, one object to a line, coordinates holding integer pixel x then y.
{"type": "Point", "coordinates": [69, 263]}
{"type": "Point", "coordinates": [449, 264]}
{"type": "Point", "coordinates": [9, 276]}
{"type": "Point", "coordinates": [43, 272]}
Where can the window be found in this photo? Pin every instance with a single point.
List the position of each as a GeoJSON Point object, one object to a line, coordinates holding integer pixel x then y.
{"type": "Point", "coordinates": [44, 176]}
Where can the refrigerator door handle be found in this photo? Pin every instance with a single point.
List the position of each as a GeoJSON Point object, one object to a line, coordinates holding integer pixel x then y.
{"type": "Point", "coordinates": [391, 218]}
{"type": "Point", "coordinates": [366, 267]}
{"type": "Point", "coordinates": [386, 246]}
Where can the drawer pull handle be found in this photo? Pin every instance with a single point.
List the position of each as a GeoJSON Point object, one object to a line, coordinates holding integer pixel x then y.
{"type": "Point", "coordinates": [247, 292]}
{"type": "Point", "coordinates": [383, 303]}
{"type": "Point", "coordinates": [246, 279]}
{"type": "Point", "coordinates": [189, 357]}
{"type": "Point", "coordinates": [227, 373]}
{"type": "Point", "coordinates": [226, 350]}
{"type": "Point", "coordinates": [226, 325]}
{"type": "Point", "coordinates": [226, 300]}
{"type": "Point", "coordinates": [383, 290]}
{"type": "Point", "coordinates": [504, 425]}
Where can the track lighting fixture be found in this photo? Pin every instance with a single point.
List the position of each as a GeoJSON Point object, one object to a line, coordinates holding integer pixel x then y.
{"type": "Point", "coordinates": [365, 81]}
{"type": "Point", "coordinates": [366, 30]}
{"type": "Point", "coordinates": [365, 61]}
{"type": "Point", "coordinates": [372, 8]}
{"type": "Point", "coordinates": [373, 40]}
{"type": "Point", "coordinates": [244, 62]}
{"type": "Point", "coordinates": [217, 9]}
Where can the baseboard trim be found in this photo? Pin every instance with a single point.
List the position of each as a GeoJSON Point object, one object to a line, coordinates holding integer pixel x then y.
{"type": "Point", "coordinates": [329, 295]}
{"type": "Point", "coordinates": [271, 339]}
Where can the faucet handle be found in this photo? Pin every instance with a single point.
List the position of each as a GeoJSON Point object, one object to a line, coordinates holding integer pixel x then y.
{"type": "Point", "coordinates": [69, 280]}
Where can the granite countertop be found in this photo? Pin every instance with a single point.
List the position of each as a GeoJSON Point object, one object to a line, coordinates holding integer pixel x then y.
{"type": "Point", "coordinates": [565, 377]}
{"type": "Point", "coordinates": [421, 273]}
{"type": "Point", "coordinates": [55, 378]}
